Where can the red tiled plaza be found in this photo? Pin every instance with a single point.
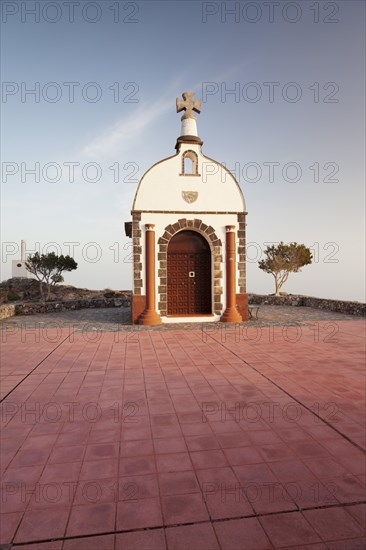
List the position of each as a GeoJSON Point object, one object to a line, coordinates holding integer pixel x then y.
{"type": "Point", "coordinates": [223, 438]}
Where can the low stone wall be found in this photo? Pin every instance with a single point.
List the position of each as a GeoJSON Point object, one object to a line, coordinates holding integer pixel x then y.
{"type": "Point", "coordinates": [31, 308]}
{"type": "Point", "coordinates": [7, 311]}
{"type": "Point", "coordinates": [340, 306]}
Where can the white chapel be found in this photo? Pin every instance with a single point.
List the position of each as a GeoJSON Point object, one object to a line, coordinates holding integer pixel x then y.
{"type": "Point", "coordinates": [188, 230]}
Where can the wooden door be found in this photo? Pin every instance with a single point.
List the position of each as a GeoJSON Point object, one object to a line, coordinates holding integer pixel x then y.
{"type": "Point", "coordinates": [189, 275]}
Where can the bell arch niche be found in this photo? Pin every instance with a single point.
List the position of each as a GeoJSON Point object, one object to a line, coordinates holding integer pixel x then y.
{"type": "Point", "coordinates": [189, 163]}
{"type": "Point", "coordinates": [213, 253]}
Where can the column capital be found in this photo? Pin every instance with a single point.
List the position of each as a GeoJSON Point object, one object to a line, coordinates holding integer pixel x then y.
{"type": "Point", "coordinates": [149, 226]}
{"type": "Point", "coordinates": [230, 228]}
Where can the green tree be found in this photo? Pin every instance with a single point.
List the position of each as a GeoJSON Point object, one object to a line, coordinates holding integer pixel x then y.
{"type": "Point", "coordinates": [48, 269]}
{"type": "Point", "coordinates": [283, 259]}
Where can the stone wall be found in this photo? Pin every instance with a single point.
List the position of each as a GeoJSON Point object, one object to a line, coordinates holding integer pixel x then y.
{"type": "Point", "coordinates": [340, 306]}
{"type": "Point", "coordinates": [241, 254]}
{"type": "Point", "coordinates": [7, 311]}
{"type": "Point", "coordinates": [137, 252]}
{"type": "Point", "coordinates": [31, 308]}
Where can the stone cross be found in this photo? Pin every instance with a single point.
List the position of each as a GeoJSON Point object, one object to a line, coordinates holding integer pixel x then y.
{"type": "Point", "coordinates": [188, 105]}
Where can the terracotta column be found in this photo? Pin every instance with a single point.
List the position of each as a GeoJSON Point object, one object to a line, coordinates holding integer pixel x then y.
{"type": "Point", "coordinates": [231, 314]}
{"type": "Point", "coordinates": [149, 315]}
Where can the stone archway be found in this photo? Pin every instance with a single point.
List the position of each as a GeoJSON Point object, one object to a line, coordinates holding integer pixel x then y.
{"type": "Point", "coordinates": [216, 250]}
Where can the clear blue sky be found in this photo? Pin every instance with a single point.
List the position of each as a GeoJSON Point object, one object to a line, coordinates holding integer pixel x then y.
{"type": "Point", "coordinates": [149, 53]}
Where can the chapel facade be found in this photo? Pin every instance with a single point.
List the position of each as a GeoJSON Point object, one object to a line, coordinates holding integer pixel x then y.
{"type": "Point", "coordinates": [188, 232]}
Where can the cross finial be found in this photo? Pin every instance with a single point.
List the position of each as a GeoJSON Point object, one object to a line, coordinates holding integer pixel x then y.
{"type": "Point", "coordinates": [188, 104]}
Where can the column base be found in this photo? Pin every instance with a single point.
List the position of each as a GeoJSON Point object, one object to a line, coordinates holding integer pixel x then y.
{"type": "Point", "coordinates": [150, 318]}
{"type": "Point", "coordinates": [231, 315]}
{"type": "Point", "coordinates": [138, 307]}
{"type": "Point", "coordinates": [242, 305]}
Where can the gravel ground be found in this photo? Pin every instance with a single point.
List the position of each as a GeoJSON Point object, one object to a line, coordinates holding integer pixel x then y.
{"type": "Point", "coordinates": [119, 319]}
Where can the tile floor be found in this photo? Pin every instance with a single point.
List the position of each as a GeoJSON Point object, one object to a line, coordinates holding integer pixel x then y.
{"type": "Point", "coordinates": [227, 438]}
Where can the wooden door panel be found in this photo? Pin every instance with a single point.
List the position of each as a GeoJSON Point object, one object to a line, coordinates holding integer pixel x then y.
{"type": "Point", "coordinates": [189, 295]}
{"type": "Point", "coordinates": [178, 292]}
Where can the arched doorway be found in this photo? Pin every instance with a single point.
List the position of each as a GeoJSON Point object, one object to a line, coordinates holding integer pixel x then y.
{"type": "Point", "coordinates": [189, 275]}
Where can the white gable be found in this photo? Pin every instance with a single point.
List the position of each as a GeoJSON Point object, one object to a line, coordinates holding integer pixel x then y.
{"type": "Point", "coordinates": [162, 187]}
